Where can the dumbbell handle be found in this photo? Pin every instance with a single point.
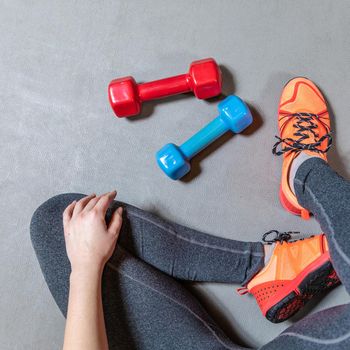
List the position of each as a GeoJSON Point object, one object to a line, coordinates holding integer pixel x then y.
{"type": "Point", "coordinates": [164, 87]}
{"type": "Point", "coordinates": [204, 137]}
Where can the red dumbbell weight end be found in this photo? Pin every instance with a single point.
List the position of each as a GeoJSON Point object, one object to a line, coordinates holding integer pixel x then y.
{"type": "Point", "coordinates": [203, 78]}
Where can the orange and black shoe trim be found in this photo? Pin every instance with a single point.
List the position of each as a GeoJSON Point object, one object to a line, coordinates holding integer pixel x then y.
{"type": "Point", "coordinates": [304, 126]}
{"type": "Point", "coordinates": [296, 272]}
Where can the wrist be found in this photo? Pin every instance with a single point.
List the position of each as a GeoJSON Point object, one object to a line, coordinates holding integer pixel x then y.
{"type": "Point", "coordinates": [86, 274]}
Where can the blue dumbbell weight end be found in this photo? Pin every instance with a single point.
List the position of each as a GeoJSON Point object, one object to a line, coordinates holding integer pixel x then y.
{"type": "Point", "coordinates": [234, 115]}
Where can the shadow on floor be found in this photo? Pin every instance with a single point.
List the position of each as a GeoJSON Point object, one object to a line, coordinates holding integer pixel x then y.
{"type": "Point", "coordinates": [334, 158]}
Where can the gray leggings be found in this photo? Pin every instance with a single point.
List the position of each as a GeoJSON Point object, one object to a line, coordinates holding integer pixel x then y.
{"type": "Point", "coordinates": [145, 304]}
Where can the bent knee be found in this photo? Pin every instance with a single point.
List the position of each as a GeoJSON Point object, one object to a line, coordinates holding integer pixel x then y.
{"type": "Point", "coordinates": [50, 213]}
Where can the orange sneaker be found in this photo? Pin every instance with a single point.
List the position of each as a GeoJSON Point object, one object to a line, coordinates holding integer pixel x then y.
{"type": "Point", "coordinates": [304, 126]}
{"type": "Point", "coordinates": [296, 272]}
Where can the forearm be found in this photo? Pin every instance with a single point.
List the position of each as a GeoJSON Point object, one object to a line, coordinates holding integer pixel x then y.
{"type": "Point", "coordinates": [85, 327]}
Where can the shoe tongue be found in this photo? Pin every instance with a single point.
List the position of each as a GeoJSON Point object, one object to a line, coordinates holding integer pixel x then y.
{"type": "Point", "coordinates": [311, 137]}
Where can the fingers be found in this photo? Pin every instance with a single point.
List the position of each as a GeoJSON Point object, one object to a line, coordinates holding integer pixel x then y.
{"type": "Point", "coordinates": [68, 212]}
{"type": "Point", "coordinates": [116, 222]}
{"type": "Point", "coordinates": [87, 203]}
{"type": "Point", "coordinates": [82, 203]}
{"type": "Point", "coordinates": [105, 201]}
{"type": "Point", "coordinates": [92, 203]}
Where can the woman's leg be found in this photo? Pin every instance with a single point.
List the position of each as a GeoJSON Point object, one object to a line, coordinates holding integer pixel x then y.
{"type": "Point", "coordinates": [324, 330]}
{"type": "Point", "coordinates": [185, 253]}
{"type": "Point", "coordinates": [143, 308]}
{"type": "Point", "coordinates": [327, 195]}
{"type": "Point", "coordinates": [180, 251]}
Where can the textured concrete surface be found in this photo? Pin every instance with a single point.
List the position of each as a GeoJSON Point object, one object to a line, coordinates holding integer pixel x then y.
{"type": "Point", "coordinates": [58, 134]}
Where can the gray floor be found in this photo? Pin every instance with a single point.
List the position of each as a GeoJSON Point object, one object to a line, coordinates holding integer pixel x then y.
{"type": "Point", "coordinates": [58, 134]}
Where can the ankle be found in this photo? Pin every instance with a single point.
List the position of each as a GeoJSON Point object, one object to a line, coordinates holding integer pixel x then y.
{"type": "Point", "coordinates": [268, 250]}
{"type": "Point", "coordinates": [296, 163]}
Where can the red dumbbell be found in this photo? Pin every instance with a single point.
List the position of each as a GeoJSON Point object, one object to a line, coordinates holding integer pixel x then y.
{"type": "Point", "coordinates": [203, 78]}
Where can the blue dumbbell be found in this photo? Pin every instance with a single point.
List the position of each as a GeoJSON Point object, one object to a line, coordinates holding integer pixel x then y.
{"type": "Point", "coordinates": [234, 115]}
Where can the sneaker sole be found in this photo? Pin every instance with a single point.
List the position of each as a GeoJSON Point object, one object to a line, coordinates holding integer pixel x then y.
{"type": "Point", "coordinates": [314, 283]}
{"type": "Point", "coordinates": [287, 205]}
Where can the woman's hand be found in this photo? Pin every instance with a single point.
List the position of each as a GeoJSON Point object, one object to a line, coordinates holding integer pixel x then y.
{"type": "Point", "coordinates": [89, 244]}
{"type": "Point", "coordinates": [89, 241]}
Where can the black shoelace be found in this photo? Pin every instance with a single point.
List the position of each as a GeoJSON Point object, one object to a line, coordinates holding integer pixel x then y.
{"type": "Point", "coordinates": [305, 125]}
{"type": "Point", "coordinates": [278, 236]}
